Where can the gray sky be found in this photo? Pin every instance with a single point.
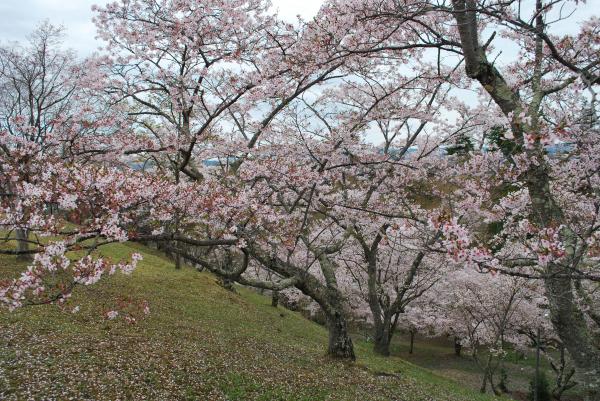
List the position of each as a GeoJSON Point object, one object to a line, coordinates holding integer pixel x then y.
{"type": "Point", "coordinates": [19, 17]}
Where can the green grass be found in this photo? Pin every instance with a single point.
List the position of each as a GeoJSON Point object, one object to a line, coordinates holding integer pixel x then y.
{"type": "Point", "coordinates": [438, 356]}
{"type": "Point", "coordinates": [200, 342]}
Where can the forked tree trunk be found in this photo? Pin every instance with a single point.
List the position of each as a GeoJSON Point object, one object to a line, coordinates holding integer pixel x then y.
{"type": "Point", "coordinates": [487, 374]}
{"type": "Point", "coordinates": [483, 387]}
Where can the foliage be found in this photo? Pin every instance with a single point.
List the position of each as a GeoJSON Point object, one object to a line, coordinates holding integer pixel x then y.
{"type": "Point", "coordinates": [462, 147]}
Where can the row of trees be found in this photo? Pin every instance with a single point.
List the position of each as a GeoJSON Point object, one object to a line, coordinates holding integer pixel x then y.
{"type": "Point", "coordinates": [325, 177]}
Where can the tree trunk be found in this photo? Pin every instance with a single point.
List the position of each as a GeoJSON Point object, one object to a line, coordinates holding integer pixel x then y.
{"type": "Point", "coordinates": [457, 346]}
{"type": "Point", "coordinates": [569, 322]}
{"type": "Point", "coordinates": [226, 283]}
{"type": "Point", "coordinates": [382, 343]}
{"type": "Point", "coordinates": [492, 384]}
{"type": "Point", "coordinates": [327, 296]}
{"type": "Point", "coordinates": [483, 387]}
{"type": "Point", "coordinates": [412, 341]}
{"type": "Point", "coordinates": [382, 336]}
{"type": "Point", "coordinates": [275, 299]}
{"type": "Point", "coordinates": [567, 317]}
{"type": "Point", "coordinates": [340, 343]}
{"type": "Point", "coordinates": [22, 245]}
{"type": "Point", "coordinates": [487, 374]}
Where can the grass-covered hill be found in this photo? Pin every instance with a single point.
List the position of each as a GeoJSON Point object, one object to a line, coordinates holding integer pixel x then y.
{"type": "Point", "coordinates": [200, 342]}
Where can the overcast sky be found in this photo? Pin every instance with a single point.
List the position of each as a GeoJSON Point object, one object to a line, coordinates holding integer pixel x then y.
{"type": "Point", "coordinates": [19, 17]}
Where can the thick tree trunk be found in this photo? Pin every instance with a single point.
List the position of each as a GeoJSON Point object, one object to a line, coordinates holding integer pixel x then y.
{"type": "Point", "coordinates": [382, 322]}
{"type": "Point", "coordinates": [457, 346]}
{"type": "Point", "coordinates": [340, 343]}
{"type": "Point", "coordinates": [327, 296]}
{"type": "Point", "coordinates": [566, 314]}
{"type": "Point", "coordinates": [22, 245]}
{"type": "Point", "coordinates": [382, 336]}
{"type": "Point", "coordinates": [382, 343]}
{"type": "Point", "coordinates": [275, 299]}
{"type": "Point", "coordinates": [569, 322]}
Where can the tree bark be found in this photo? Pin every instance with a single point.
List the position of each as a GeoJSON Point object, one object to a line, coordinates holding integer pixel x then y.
{"type": "Point", "coordinates": [382, 339]}
{"type": "Point", "coordinates": [340, 343]}
{"type": "Point", "coordinates": [487, 374]}
{"type": "Point", "coordinates": [274, 299]}
{"type": "Point", "coordinates": [22, 245]}
{"type": "Point", "coordinates": [412, 342]}
{"type": "Point", "coordinates": [569, 322]}
{"type": "Point", "coordinates": [457, 346]}
{"type": "Point", "coordinates": [483, 387]}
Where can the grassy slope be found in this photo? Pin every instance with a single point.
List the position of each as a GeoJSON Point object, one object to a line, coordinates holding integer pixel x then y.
{"type": "Point", "coordinates": [200, 342]}
{"type": "Point", "coordinates": [438, 356]}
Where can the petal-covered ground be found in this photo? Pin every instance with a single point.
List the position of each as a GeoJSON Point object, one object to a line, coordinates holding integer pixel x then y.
{"type": "Point", "coordinates": [200, 342]}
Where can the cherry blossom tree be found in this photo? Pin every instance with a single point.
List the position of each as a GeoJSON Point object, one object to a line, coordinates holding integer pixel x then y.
{"type": "Point", "coordinates": [536, 97]}
{"type": "Point", "coordinates": [65, 172]}
{"type": "Point", "coordinates": [483, 313]}
{"type": "Point", "coordinates": [37, 92]}
{"type": "Point", "coordinates": [552, 68]}
{"type": "Point", "coordinates": [246, 145]}
{"type": "Point", "coordinates": [207, 81]}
